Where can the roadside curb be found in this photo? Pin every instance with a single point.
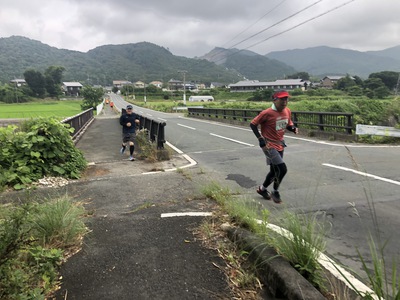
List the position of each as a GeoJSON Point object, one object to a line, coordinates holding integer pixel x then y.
{"type": "Point", "coordinates": [278, 276]}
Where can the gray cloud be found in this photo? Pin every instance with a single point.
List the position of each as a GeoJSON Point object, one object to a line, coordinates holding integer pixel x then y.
{"type": "Point", "coordinates": [193, 28]}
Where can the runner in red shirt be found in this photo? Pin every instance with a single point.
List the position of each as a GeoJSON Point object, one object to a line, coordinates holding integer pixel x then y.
{"type": "Point", "coordinates": [274, 121]}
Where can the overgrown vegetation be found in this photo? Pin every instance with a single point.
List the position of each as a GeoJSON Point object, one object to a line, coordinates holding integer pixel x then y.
{"type": "Point", "coordinates": [300, 239]}
{"type": "Point", "coordinates": [34, 239]}
{"type": "Point", "coordinates": [39, 147]}
{"type": "Point", "coordinates": [148, 150]}
{"type": "Point", "coordinates": [301, 247]}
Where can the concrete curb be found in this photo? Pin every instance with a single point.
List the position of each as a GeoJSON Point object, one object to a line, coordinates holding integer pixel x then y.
{"type": "Point", "coordinates": [278, 276]}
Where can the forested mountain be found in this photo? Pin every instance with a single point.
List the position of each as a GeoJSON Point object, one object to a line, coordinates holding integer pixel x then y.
{"type": "Point", "coordinates": [320, 61]}
{"type": "Point", "coordinates": [252, 65]}
{"type": "Point", "coordinates": [142, 61]}
{"type": "Point", "coordinates": [147, 62]}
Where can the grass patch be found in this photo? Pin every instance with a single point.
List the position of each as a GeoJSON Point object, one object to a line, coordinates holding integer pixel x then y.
{"type": "Point", "coordinates": [35, 238]}
{"type": "Point", "coordinates": [49, 108]}
{"type": "Point", "coordinates": [301, 243]}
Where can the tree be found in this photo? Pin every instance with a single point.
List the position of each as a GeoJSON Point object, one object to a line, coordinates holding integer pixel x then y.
{"type": "Point", "coordinates": [388, 78]}
{"type": "Point", "coordinates": [128, 90]}
{"type": "Point", "coordinates": [381, 92]}
{"type": "Point", "coordinates": [301, 75]}
{"type": "Point", "coordinates": [13, 94]}
{"type": "Point", "coordinates": [355, 91]}
{"type": "Point", "coordinates": [92, 97]}
{"type": "Point", "coordinates": [36, 82]}
{"type": "Point", "coordinates": [53, 76]}
{"type": "Point", "coordinates": [344, 83]}
{"type": "Point", "coordinates": [358, 81]}
{"type": "Point", "coordinates": [262, 95]}
{"type": "Point", "coordinates": [373, 83]}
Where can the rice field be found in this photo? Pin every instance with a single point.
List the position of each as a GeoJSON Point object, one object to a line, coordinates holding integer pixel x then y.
{"type": "Point", "coordinates": [59, 109]}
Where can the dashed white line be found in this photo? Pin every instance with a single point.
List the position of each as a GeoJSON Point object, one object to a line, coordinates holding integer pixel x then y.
{"type": "Point", "coordinates": [363, 174]}
{"type": "Point", "coordinates": [232, 140]}
{"type": "Point", "coordinates": [186, 126]}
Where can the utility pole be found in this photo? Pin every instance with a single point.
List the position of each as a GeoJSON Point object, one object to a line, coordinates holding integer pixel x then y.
{"type": "Point", "coordinates": [396, 91]}
{"type": "Point", "coordinates": [144, 87]}
{"type": "Point", "coordinates": [184, 86]}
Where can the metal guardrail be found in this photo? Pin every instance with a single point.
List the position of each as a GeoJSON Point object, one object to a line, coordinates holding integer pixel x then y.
{"type": "Point", "coordinates": [155, 130]}
{"type": "Point", "coordinates": [321, 121]}
{"type": "Point", "coordinates": [324, 121]}
{"type": "Point", "coordinates": [79, 122]}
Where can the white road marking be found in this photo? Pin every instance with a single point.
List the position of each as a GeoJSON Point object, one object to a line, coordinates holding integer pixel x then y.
{"type": "Point", "coordinates": [232, 140]}
{"type": "Point", "coordinates": [186, 126]}
{"type": "Point", "coordinates": [186, 214]}
{"type": "Point", "coordinates": [164, 120]}
{"type": "Point", "coordinates": [174, 148]}
{"type": "Point", "coordinates": [363, 174]}
{"type": "Point", "coordinates": [215, 123]}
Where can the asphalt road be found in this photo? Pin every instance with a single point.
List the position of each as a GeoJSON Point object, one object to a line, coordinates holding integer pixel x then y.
{"type": "Point", "coordinates": [354, 187]}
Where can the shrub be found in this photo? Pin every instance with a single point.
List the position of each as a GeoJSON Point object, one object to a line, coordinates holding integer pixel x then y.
{"type": "Point", "coordinates": [40, 147]}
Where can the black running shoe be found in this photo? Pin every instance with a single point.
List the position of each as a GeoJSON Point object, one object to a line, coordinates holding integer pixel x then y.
{"type": "Point", "coordinates": [266, 195]}
{"type": "Point", "coordinates": [276, 197]}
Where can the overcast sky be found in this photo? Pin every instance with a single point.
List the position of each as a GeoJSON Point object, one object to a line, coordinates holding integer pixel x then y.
{"type": "Point", "coordinates": [193, 28]}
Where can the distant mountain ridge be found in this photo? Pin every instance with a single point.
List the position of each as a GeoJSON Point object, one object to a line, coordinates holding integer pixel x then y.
{"type": "Point", "coordinates": [147, 62]}
{"type": "Point", "coordinates": [323, 60]}
{"type": "Point", "coordinates": [141, 61]}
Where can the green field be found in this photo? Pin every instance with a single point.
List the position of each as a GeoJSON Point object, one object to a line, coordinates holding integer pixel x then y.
{"type": "Point", "coordinates": [60, 109]}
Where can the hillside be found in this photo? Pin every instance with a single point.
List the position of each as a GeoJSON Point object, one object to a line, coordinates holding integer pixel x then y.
{"type": "Point", "coordinates": [141, 61]}
{"type": "Point", "coordinates": [320, 61]}
{"type": "Point", "coordinates": [251, 65]}
{"type": "Point", "coordinates": [393, 52]}
{"type": "Point", "coordinates": [147, 62]}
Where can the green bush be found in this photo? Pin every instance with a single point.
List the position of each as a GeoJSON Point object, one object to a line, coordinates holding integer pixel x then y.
{"type": "Point", "coordinates": [40, 147]}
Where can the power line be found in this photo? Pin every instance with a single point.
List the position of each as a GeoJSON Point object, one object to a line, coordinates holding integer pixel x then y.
{"type": "Point", "coordinates": [293, 27]}
{"type": "Point", "coordinates": [259, 19]}
{"type": "Point", "coordinates": [265, 29]}
{"type": "Point", "coordinates": [302, 23]}
{"type": "Point", "coordinates": [279, 22]}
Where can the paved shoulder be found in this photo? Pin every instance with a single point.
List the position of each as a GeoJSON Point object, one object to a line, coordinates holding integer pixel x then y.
{"type": "Point", "coordinates": [133, 253]}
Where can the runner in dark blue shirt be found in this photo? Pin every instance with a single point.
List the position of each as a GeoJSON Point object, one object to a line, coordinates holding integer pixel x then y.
{"type": "Point", "coordinates": [129, 122]}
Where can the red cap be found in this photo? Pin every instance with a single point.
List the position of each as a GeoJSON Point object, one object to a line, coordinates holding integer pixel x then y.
{"type": "Point", "coordinates": [280, 94]}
